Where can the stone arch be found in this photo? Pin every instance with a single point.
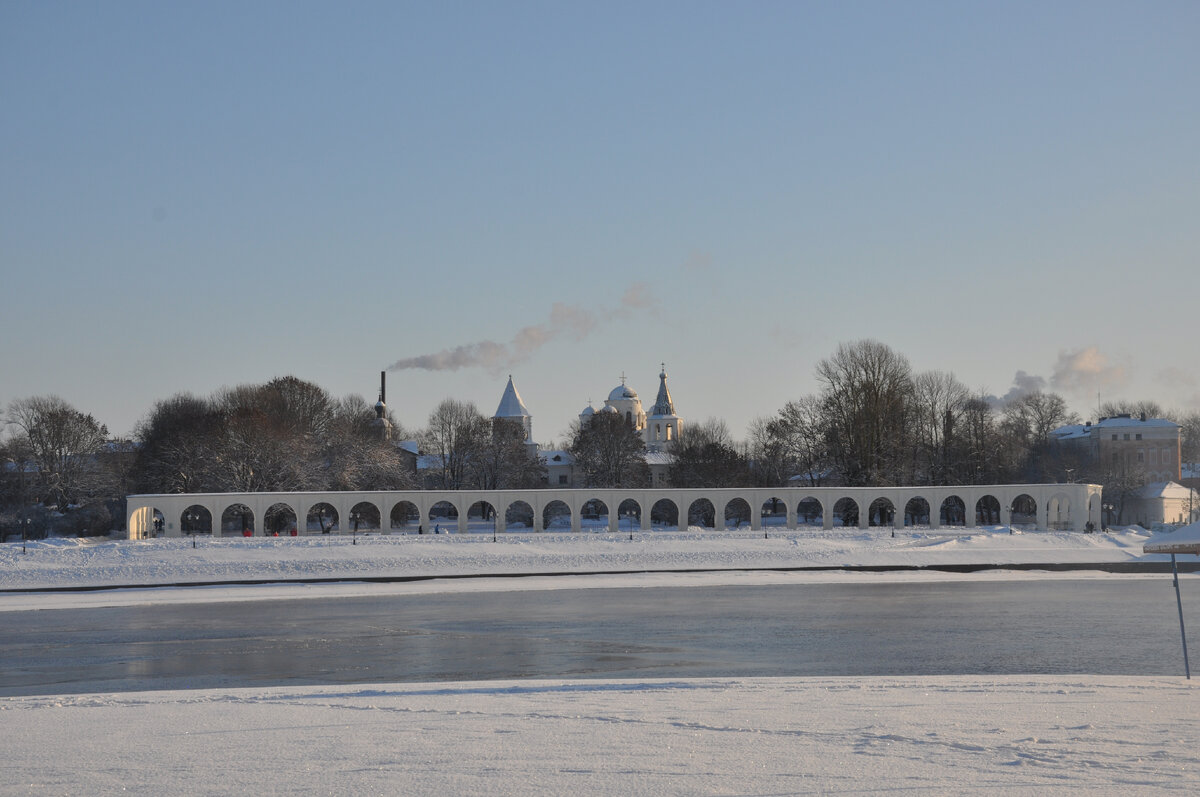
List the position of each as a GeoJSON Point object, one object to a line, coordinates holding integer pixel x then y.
{"type": "Point", "coordinates": [882, 512]}
{"type": "Point", "coordinates": [737, 512]}
{"type": "Point", "coordinates": [481, 517]}
{"type": "Point", "coordinates": [809, 512]}
{"type": "Point", "coordinates": [322, 518]}
{"type": "Point", "coordinates": [702, 514]}
{"type": "Point", "coordinates": [845, 512]}
{"type": "Point", "coordinates": [196, 519]}
{"type": "Point", "coordinates": [404, 515]}
{"type": "Point", "coordinates": [364, 516]}
{"type": "Point", "coordinates": [987, 511]}
{"type": "Point", "coordinates": [158, 524]}
{"type": "Point", "coordinates": [518, 514]}
{"type": "Point", "coordinates": [664, 515]}
{"type": "Point", "coordinates": [443, 511]}
{"type": "Point", "coordinates": [1024, 511]}
{"type": "Point", "coordinates": [556, 516]}
{"type": "Point", "coordinates": [280, 520]}
{"type": "Point", "coordinates": [1095, 510]}
{"type": "Point", "coordinates": [629, 514]}
{"type": "Point", "coordinates": [442, 514]}
{"type": "Point", "coordinates": [953, 512]}
{"type": "Point", "coordinates": [237, 520]}
{"type": "Point", "coordinates": [916, 512]}
{"type": "Point", "coordinates": [1058, 512]}
{"type": "Point", "coordinates": [774, 513]}
{"type": "Point", "coordinates": [594, 515]}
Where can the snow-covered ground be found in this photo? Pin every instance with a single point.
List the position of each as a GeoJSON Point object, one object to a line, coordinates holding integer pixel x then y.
{"type": "Point", "coordinates": [76, 562]}
{"type": "Point", "coordinates": [947, 735]}
{"type": "Point", "coordinates": [951, 735]}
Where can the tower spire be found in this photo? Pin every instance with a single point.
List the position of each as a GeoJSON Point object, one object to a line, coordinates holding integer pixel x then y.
{"type": "Point", "coordinates": [663, 405]}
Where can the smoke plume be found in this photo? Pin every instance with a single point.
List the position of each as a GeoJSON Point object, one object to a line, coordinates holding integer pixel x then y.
{"type": "Point", "coordinates": [1078, 373]}
{"type": "Point", "coordinates": [569, 322]}
{"type": "Point", "coordinates": [1023, 384]}
{"type": "Point", "coordinates": [1086, 371]}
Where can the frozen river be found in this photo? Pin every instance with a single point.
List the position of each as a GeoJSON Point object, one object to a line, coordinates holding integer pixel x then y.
{"type": "Point", "coordinates": [1102, 626]}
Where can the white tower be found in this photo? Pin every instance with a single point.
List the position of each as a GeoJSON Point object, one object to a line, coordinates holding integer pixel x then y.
{"type": "Point", "coordinates": [513, 410]}
{"type": "Point", "coordinates": [663, 425]}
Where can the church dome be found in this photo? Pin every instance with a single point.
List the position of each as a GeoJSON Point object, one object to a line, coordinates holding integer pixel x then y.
{"type": "Point", "coordinates": [610, 409]}
{"type": "Point", "coordinates": [587, 411]}
{"type": "Point", "coordinates": [622, 392]}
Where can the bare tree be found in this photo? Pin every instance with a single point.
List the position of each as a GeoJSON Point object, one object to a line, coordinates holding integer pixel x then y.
{"type": "Point", "coordinates": [358, 457]}
{"type": "Point", "coordinates": [609, 452]}
{"type": "Point", "coordinates": [1037, 414]}
{"type": "Point", "coordinates": [769, 462]}
{"type": "Point", "coordinates": [178, 446]}
{"type": "Point", "coordinates": [503, 460]}
{"type": "Point", "coordinates": [1134, 409]}
{"type": "Point", "coordinates": [706, 457]}
{"type": "Point", "coordinates": [287, 434]}
{"type": "Point", "coordinates": [804, 435]}
{"type": "Point", "coordinates": [16, 466]}
{"type": "Point", "coordinates": [1028, 422]}
{"type": "Point", "coordinates": [263, 447]}
{"type": "Point", "coordinates": [938, 403]}
{"type": "Point", "coordinates": [64, 444]}
{"type": "Point", "coordinates": [983, 448]}
{"type": "Point", "coordinates": [865, 395]}
{"type": "Point", "coordinates": [456, 431]}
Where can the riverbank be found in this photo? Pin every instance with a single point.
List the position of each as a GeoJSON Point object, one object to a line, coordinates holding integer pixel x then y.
{"type": "Point", "coordinates": [99, 563]}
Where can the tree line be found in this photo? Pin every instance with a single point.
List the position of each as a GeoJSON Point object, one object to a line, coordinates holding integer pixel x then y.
{"type": "Point", "coordinates": [872, 421]}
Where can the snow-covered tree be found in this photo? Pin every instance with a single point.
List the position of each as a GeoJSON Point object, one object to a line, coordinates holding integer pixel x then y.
{"type": "Point", "coordinates": [64, 444]}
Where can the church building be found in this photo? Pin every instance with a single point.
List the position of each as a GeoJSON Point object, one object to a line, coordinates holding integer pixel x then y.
{"type": "Point", "coordinates": [659, 429]}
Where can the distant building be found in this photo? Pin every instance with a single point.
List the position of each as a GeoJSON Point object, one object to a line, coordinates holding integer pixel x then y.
{"type": "Point", "coordinates": [512, 416]}
{"type": "Point", "coordinates": [1127, 445]}
{"type": "Point", "coordinates": [1164, 502]}
{"type": "Point", "coordinates": [659, 429]}
{"type": "Point", "coordinates": [560, 468]}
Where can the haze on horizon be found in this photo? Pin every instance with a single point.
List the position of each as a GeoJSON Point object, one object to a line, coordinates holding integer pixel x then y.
{"type": "Point", "coordinates": [200, 196]}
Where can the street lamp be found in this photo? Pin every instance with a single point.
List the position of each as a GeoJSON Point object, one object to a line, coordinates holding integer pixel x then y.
{"type": "Point", "coordinates": [191, 517]}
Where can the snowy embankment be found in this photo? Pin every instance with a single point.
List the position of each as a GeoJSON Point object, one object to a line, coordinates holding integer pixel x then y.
{"type": "Point", "coordinates": [80, 563]}
{"type": "Point", "coordinates": [945, 735]}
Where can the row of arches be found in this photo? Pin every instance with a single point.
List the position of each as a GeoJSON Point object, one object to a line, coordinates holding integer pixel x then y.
{"type": "Point", "coordinates": [282, 517]}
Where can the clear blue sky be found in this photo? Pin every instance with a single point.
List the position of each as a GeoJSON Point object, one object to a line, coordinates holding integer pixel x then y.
{"type": "Point", "coordinates": [195, 195]}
